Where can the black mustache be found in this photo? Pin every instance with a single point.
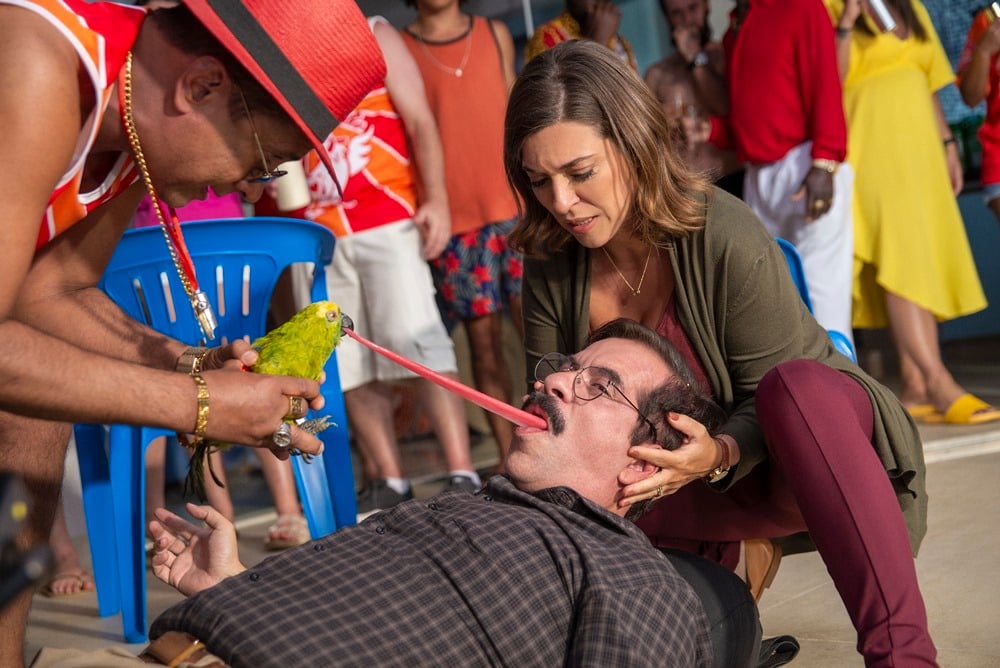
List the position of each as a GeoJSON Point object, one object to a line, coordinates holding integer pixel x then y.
{"type": "Point", "coordinates": [548, 404]}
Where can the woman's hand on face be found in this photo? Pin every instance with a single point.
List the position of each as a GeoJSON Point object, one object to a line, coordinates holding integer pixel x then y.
{"type": "Point", "coordinates": [693, 460]}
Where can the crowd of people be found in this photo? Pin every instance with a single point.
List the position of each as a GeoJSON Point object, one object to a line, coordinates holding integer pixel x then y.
{"type": "Point", "coordinates": [623, 220]}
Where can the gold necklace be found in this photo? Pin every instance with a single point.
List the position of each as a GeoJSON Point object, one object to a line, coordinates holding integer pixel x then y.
{"type": "Point", "coordinates": [457, 71]}
{"type": "Point", "coordinates": [175, 240]}
{"type": "Point", "coordinates": [638, 288]}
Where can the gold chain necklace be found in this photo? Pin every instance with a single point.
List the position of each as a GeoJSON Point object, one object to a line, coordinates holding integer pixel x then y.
{"type": "Point", "coordinates": [457, 71]}
{"type": "Point", "coordinates": [638, 288]}
{"type": "Point", "coordinates": [175, 240]}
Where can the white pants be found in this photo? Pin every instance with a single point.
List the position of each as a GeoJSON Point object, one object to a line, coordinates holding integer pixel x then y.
{"type": "Point", "coordinates": [826, 244]}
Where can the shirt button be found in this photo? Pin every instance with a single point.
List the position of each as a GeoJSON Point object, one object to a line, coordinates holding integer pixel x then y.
{"type": "Point", "coordinates": [254, 577]}
{"type": "Point", "coordinates": [487, 497]}
{"type": "Point", "coordinates": [433, 506]}
{"type": "Point", "coordinates": [380, 529]}
{"type": "Point", "coordinates": [319, 548]}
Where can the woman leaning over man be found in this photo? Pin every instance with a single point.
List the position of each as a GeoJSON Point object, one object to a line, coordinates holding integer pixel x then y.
{"type": "Point", "coordinates": [614, 226]}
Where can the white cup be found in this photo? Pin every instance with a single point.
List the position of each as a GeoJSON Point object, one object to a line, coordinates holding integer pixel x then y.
{"type": "Point", "coordinates": [292, 188]}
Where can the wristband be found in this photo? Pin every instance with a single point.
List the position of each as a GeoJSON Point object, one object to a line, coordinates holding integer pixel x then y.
{"type": "Point", "coordinates": [828, 166]}
{"type": "Point", "coordinates": [722, 470]}
{"type": "Point", "coordinates": [950, 140]}
{"type": "Point", "coordinates": [201, 421]}
{"type": "Point", "coordinates": [843, 32]}
{"type": "Point", "coordinates": [191, 360]}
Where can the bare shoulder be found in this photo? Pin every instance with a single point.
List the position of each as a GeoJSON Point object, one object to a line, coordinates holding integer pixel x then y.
{"type": "Point", "coordinates": [33, 53]}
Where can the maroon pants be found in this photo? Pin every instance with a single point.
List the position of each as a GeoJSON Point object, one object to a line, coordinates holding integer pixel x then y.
{"type": "Point", "coordinates": [824, 477]}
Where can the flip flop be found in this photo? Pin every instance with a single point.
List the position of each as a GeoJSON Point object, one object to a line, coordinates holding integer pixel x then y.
{"type": "Point", "coordinates": [970, 409]}
{"type": "Point", "coordinates": [288, 531]}
{"type": "Point", "coordinates": [921, 411]}
{"type": "Point", "coordinates": [83, 580]}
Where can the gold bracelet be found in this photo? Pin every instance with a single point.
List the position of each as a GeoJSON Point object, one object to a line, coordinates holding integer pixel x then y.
{"type": "Point", "coordinates": [828, 166]}
{"type": "Point", "coordinates": [201, 421]}
{"type": "Point", "coordinates": [191, 360]}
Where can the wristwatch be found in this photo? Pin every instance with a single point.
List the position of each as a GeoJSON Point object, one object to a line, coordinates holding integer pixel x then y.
{"type": "Point", "coordinates": [722, 470]}
{"type": "Point", "coordinates": [700, 60]}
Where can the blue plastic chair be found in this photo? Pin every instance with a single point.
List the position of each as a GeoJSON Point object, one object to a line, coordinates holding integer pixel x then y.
{"type": "Point", "coordinates": [840, 340]}
{"type": "Point", "coordinates": [238, 263]}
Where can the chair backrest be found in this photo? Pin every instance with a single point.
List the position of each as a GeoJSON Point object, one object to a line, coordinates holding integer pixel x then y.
{"type": "Point", "coordinates": [795, 267]}
{"type": "Point", "coordinates": [840, 340]}
{"type": "Point", "coordinates": [238, 262]}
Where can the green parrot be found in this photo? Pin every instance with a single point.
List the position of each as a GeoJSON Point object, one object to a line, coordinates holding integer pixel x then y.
{"type": "Point", "coordinates": [300, 347]}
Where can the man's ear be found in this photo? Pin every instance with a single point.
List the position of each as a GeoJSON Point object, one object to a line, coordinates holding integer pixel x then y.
{"type": "Point", "coordinates": [204, 81]}
{"type": "Point", "coordinates": [637, 470]}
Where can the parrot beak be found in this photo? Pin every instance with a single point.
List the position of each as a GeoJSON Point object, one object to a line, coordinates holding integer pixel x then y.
{"type": "Point", "coordinates": [346, 322]}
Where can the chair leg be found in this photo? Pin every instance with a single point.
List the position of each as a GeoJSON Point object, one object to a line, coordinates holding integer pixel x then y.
{"type": "Point", "coordinates": [95, 479]}
{"type": "Point", "coordinates": [128, 478]}
{"type": "Point", "coordinates": [314, 493]}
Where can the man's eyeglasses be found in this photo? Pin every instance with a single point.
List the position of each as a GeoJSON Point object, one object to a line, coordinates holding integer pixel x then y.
{"type": "Point", "coordinates": [590, 382]}
{"type": "Point", "coordinates": [267, 175]}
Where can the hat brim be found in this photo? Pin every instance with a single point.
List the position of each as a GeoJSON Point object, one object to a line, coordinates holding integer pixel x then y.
{"type": "Point", "coordinates": [316, 62]}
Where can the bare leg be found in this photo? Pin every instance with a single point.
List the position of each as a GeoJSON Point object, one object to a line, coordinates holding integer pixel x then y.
{"type": "Point", "coordinates": [281, 481]}
{"type": "Point", "coordinates": [68, 574]}
{"type": "Point", "coordinates": [34, 450]}
{"type": "Point", "coordinates": [218, 497]}
{"type": "Point", "coordinates": [489, 370]}
{"type": "Point", "coordinates": [447, 416]}
{"type": "Point", "coordinates": [156, 477]}
{"type": "Point", "coordinates": [369, 412]}
{"type": "Point", "coordinates": [914, 331]}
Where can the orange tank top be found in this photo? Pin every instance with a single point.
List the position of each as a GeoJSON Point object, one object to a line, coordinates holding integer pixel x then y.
{"type": "Point", "coordinates": [102, 35]}
{"type": "Point", "coordinates": [469, 110]}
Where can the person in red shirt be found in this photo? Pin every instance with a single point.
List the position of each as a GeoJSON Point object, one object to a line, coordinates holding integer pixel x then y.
{"type": "Point", "coordinates": [787, 120]}
{"type": "Point", "coordinates": [978, 78]}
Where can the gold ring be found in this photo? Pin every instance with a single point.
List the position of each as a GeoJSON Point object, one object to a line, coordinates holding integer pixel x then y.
{"type": "Point", "coordinates": [295, 410]}
{"type": "Point", "coordinates": [659, 492]}
{"type": "Point", "coordinates": [820, 203]}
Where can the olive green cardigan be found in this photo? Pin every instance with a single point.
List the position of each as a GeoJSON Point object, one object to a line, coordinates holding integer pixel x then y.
{"type": "Point", "coordinates": [738, 306]}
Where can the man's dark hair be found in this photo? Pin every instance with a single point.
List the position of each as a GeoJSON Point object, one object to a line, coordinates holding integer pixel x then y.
{"type": "Point", "coordinates": [184, 31]}
{"type": "Point", "coordinates": [678, 394]}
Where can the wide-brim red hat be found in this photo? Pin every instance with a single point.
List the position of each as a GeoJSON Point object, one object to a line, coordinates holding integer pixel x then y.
{"type": "Point", "coordinates": [317, 58]}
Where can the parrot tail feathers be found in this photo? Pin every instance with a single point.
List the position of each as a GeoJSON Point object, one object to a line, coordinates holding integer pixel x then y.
{"type": "Point", "coordinates": [194, 481]}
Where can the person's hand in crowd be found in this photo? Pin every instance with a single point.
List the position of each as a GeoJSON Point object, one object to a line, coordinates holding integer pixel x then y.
{"type": "Point", "coordinates": [817, 192]}
{"type": "Point", "coordinates": [693, 460]}
{"type": "Point", "coordinates": [687, 40]}
{"type": "Point", "coordinates": [603, 19]}
{"type": "Point", "coordinates": [192, 558]}
{"type": "Point", "coordinates": [434, 222]}
{"type": "Point", "coordinates": [955, 171]}
{"type": "Point", "coordinates": [852, 10]}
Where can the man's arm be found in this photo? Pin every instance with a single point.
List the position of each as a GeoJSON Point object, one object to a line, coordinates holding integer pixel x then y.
{"type": "Point", "coordinates": [406, 88]}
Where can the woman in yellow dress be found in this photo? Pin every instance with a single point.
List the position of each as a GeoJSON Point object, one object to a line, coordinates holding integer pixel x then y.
{"type": "Point", "coordinates": [913, 266]}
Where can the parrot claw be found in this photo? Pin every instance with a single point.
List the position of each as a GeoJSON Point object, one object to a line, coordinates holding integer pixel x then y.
{"type": "Point", "coordinates": [316, 425]}
{"type": "Point", "coordinates": [346, 322]}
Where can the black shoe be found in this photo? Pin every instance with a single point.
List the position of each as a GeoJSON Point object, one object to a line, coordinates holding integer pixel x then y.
{"type": "Point", "coordinates": [377, 495]}
{"type": "Point", "coordinates": [460, 483]}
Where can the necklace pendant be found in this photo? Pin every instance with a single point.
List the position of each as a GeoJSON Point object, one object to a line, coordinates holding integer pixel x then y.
{"type": "Point", "coordinates": [636, 293]}
{"type": "Point", "coordinates": [458, 72]}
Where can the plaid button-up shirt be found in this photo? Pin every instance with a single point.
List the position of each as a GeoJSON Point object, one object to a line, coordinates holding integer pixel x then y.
{"type": "Point", "coordinates": [497, 578]}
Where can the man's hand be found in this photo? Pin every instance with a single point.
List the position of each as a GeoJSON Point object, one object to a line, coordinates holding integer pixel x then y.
{"type": "Point", "coordinates": [191, 558]}
{"type": "Point", "coordinates": [434, 222]}
{"type": "Point", "coordinates": [688, 42]}
{"type": "Point", "coordinates": [603, 19]}
{"type": "Point", "coordinates": [817, 190]}
{"type": "Point", "coordinates": [955, 171]}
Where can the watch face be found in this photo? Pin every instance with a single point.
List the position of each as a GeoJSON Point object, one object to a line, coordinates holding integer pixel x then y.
{"type": "Point", "coordinates": [700, 59]}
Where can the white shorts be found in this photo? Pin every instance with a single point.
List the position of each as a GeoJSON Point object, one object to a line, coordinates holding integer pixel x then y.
{"type": "Point", "coordinates": [380, 278]}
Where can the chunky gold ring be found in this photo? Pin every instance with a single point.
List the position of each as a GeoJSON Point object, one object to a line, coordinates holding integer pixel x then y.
{"type": "Point", "coordinates": [820, 203]}
{"type": "Point", "coordinates": [295, 410]}
{"type": "Point", "coordinates": [282, 435]}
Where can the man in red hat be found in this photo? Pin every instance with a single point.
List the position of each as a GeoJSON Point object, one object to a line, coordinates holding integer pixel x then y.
{"type": "Point", "coordinates": [101, 104]}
